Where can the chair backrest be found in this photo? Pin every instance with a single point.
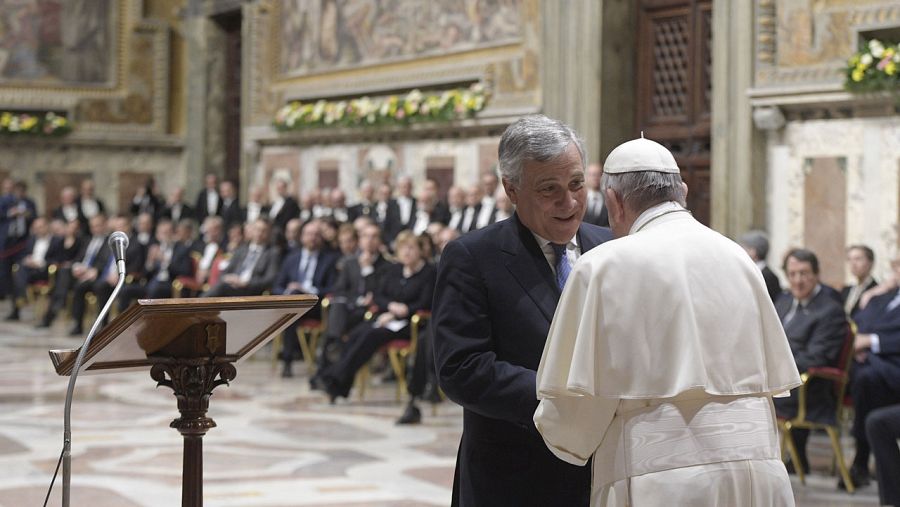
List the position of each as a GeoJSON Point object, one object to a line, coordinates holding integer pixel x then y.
{"type": "Point", "coordinates": [216, 269]}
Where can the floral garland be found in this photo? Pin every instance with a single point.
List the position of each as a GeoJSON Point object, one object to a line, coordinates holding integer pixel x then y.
{"type": "Point", "coordinates": [415, 106]}
{"type": "Point", "coordinates": [874, 67]}
{"type": "Point", "coordinates": [49, 124]}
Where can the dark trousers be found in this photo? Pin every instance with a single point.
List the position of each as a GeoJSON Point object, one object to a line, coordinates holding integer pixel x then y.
{"type": "Point", "coordinates": [101, 290]}
{"type": "Point", "coordinates": [870, 391]}
{"type": "Point", "coordinates": [364, 342]}
{"type": "Point", "coordinates": [22, 278]}
{"type": "Point", "coordinates": [883, 430]}
{"type": "Point", "coordinates": [423, 371]}
{"type": "Point", "coordinates": [342, 317]}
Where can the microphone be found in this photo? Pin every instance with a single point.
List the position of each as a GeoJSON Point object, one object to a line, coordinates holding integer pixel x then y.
{"type": "Point", "coordinates": [118, 242]}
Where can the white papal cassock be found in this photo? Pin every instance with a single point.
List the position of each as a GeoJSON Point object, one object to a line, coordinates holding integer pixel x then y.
{"type": "Point", "coordinates": [661, 363]}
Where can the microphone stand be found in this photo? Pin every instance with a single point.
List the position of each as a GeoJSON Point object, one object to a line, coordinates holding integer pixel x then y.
{"type": "Point", "coordinates": [67, 426]}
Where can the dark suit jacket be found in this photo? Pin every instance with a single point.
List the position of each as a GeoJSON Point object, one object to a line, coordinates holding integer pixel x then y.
{"type": "Point", "coordinates": [494, 300]}
{"type": "Point", "coordinates": [351, 284]}
{"type": "Point", "coordinates": [393, 222]}
{"type": "Point", "coordinates": [875, 318]}
{"type": "Point", "coordinates": [816, 335]}
{"type": "Point", "coordinates": [845, 293]}
{"type": "Point", "coordinates": [360, 210]}
{"type": "Point", "coordinates": [186, 212]}
{"type": "Point", "coordinates": [232, 213]}
{"type": "Point", "coordinates": [773, 286]}
{"type": "Point", "coordinates": [290, 209]}
{"type": "Point", "coordinates": [180, 264]}
{"type": "Point", "coordinates": [264, 271]}
{"type": "Point", "coordinates": [200, 208]}
{"type": "Point", "coordinates": [323, 277]}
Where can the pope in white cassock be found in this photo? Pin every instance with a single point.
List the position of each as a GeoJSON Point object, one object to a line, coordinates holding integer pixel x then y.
{"type": "Point", "coordinates": [664, 354]}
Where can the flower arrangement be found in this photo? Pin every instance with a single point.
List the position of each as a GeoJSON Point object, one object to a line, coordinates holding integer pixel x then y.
{"type": "Point", "coordinates": [412, 107]}
{"type": "Point", "coordinates": [48, 124]}
{"type": "Point", "coordinates": [874, 67]}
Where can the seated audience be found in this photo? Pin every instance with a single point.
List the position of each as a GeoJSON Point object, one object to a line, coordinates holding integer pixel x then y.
{"type": "Point", "coordinates": [352, 294]}
{"type": "Point", "coordinates": [860, 259]}
{"type": "Point", "coordinates": [816, 329]}
{"type": "Point", "coordinates": [41, 250]}
{"type": "Point", "coordinates": [404, 289]}
{"type": "Point", "coordinates": [252, 268]}
{"type": "Point", "coordinates": [875, 376]}
{"type": "Point", "coordinates": [308, 271]}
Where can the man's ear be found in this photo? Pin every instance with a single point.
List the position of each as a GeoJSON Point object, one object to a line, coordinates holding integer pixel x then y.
{"type": "Point", "coordinates": [685, 187]}
{"type": "Point", "coordinates": [614, 205]}
{"type": "Point", "coordinates": [510, 191]}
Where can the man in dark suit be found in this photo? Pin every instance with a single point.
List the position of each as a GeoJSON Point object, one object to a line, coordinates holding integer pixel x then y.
{"type": "Point", "coordinates": [596, 213]}
{"type": "Point", "coordinates": [69, 210]}
{"type": "Point", "coordinates": [495, 296]}
{"type": "Point", "coordinates": [401, 212]}
{"type": "Point", "coordinates": [875, 377]}
{"type": "Point", "coordinates": [209, 202]}
{"type": "Point", "coordinates": [366, 204]}
{"type": "Point", "coordinates": [351, 294]}
{"type": "Point", "coordinates": [176, 208]}
{"type": "Point", "coordinates": [253, 267]}
{"type": "Point", "coordinates": [756, 243]}
{"type": "Point", "coordinates": [17, 211]}
{"type": "Point", "coordinates": [88, 203]}
{"type": "Point", "coordinates": [284, 207]}
{"type": "Point", "coordinates": [311, 270]}
{"type": "Point", "coordinates": [469, 220]}
{"type": "Point", "coordinates": [41, 250]}
{"type": "Point", "coordinates": [861, 259]}
{"type": "Point", "coordinates": [231, 210]}
{"type": "Point", "coordinates": [816, 328]}
{"type": "Point", "coordinates": [93, 265]}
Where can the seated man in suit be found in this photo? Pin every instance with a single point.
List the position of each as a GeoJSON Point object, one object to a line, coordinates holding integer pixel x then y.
{"type": "Point", "coordinates": [42, 249]}
{"type": "Point", "coordinates": [860, 259]}
{"type": "Point", "coordinates": [135, 257]}
{"type": "Point", "coordinates": [816, 328]}
{"type": "Point", "coordinates": [311, 270]}
{"type": "Point", "coordinates": [253, 267]}
{"type": "Point", "coordinates": [352, 293]}
{"type": "Point", "coordinates": [875, 377]}
{"type": "Point", "coordinates": [83, 276]}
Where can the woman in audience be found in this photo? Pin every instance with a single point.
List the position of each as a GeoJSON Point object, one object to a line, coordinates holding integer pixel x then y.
{"type": "Point", "coordinates": [404, 289]}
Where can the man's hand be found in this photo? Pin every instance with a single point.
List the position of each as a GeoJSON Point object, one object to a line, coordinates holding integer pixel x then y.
{"type": "Point", "coordinates": [399, 310]}
{"type": "Point", "coordinates": [862, 344]}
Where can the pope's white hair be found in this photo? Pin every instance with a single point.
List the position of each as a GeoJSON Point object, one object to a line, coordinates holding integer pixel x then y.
{"type": "Point", "coordinates": [645, 189]}
{"type": "Point", "coordinates": [534, 137]}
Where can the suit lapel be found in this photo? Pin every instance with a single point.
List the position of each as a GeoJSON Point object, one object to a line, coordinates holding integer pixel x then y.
{"type": "Point", "coordinates": [528, 266]}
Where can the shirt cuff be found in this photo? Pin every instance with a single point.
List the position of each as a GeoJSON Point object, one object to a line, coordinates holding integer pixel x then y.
{"type": "Point", "coordinates": [875, 344]}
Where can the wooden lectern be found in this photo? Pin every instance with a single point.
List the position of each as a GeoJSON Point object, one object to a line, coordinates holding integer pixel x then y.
{"type": "Point", "coordinates": [190, 346]}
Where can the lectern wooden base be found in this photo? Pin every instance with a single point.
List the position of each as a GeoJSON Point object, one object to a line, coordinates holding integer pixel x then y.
{"type": "Point", "coordinates": [184, 343]}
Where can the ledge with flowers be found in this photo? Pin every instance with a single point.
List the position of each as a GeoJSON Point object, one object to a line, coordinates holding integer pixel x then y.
{"type": "Point", "coordinates": [875, 67]}
{"type": "Point", "coordinates": [47, 124]}
{"type": "Point", "coordinates": [391, 110]}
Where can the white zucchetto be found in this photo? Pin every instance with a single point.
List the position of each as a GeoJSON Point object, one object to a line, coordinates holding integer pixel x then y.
{"type": "Point", "coordinates": [640, 155]}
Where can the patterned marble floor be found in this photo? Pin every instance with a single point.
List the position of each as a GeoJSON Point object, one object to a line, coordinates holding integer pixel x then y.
{"type": "Point", "coordinates": [276, 444]}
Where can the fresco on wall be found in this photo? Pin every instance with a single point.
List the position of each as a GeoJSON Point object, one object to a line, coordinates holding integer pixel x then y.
{"type": "Point", "coordinates": [325, 35]}
{"type": "Point", "coordinates": [65, 42]}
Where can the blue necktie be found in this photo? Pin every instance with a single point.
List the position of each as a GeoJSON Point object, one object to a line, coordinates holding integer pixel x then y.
{"type": "Point", "coordinates": [562, 265]}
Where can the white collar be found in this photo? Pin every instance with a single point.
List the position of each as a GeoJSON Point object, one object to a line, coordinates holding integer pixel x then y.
{"type": "Point", "coordinates": [653, 213]}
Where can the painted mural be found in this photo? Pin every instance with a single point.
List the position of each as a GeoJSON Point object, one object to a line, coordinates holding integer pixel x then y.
{"type": "Point", "coordinates": [325, 35]}
{"type": "Point", "coordinates": [64, 42]}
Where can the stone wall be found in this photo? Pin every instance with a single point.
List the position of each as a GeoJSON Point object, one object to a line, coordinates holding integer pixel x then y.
{"type": "Point", "coordinates": [831, 158]}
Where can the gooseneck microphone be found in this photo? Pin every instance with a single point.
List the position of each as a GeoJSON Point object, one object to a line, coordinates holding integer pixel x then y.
{"type": "Point", "coordinates": [118, 242]}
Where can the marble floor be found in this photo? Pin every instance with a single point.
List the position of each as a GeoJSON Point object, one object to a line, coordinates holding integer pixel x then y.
{"type": "Point", "coordinates": [276, 444]}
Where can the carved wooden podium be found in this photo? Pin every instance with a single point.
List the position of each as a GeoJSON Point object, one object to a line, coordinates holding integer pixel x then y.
{"type": "Point", "coordinates": [190, 346]}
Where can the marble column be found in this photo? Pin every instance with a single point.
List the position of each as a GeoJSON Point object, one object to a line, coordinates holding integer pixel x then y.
{"type": "Point", "coordinates": [738, 150]}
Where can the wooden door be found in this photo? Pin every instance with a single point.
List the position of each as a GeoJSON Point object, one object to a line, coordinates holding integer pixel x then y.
{"type": "Point", "coordinates": [674, 64]}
